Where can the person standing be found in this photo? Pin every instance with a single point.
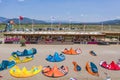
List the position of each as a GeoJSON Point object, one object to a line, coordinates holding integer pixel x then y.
{"type": "Point", "coordinates": [22, 42]}
{"type": "Point", "coordinates": [107, 76]}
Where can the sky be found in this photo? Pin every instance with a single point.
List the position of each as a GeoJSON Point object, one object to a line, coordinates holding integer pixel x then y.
{"type": "Point", "coordinates": [62, 10]}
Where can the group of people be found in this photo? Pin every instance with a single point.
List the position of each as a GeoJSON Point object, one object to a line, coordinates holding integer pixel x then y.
{"type": "Point", "coordinates": [83, 40]}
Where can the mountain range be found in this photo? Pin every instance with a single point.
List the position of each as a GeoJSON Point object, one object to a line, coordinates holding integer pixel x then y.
{"type": "Point", "coordinates": [30, 21]}
{"type": "Point", "coordinates": [24, 21]}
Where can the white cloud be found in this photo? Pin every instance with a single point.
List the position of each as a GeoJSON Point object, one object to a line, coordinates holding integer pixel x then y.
{"type": "Point", "coordinates": [21, 0]}
{"type": "Point", "coordinates": [118, 17]}
{"type": "Point", "coordinates": [83, 15]}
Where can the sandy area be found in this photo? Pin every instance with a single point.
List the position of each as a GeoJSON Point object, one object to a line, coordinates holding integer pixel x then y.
{"type": "Point", "coordinates": [107, 53]}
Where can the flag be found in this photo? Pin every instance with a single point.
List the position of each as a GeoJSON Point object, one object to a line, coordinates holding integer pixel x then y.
{"type": "Point", "coordinates": [20, 17]}
{"type": "Point", "coordinates": [52, 18]}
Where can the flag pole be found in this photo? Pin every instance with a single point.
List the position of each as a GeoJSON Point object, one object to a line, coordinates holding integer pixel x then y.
{"type": "Point", "coordinates": [51, 22]}
{"type": "Point", "coordinates": [102, 26]}
{"type": "Point", "coordinates": [20, 18]}
{"type": "Point", "coordinates": [19, 24]}
{"type": "Point", "coordinates": [52, 19]}
{"type": "Point", "coordinates": [32, 25]}
{"type": "Point", "coordinates": [84, 29]}
{"type": "Point", "coordinates": [70, 21]}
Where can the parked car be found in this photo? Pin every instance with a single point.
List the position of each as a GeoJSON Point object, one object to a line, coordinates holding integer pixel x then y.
{"type": "Point", "coordinates": [103, 43]}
